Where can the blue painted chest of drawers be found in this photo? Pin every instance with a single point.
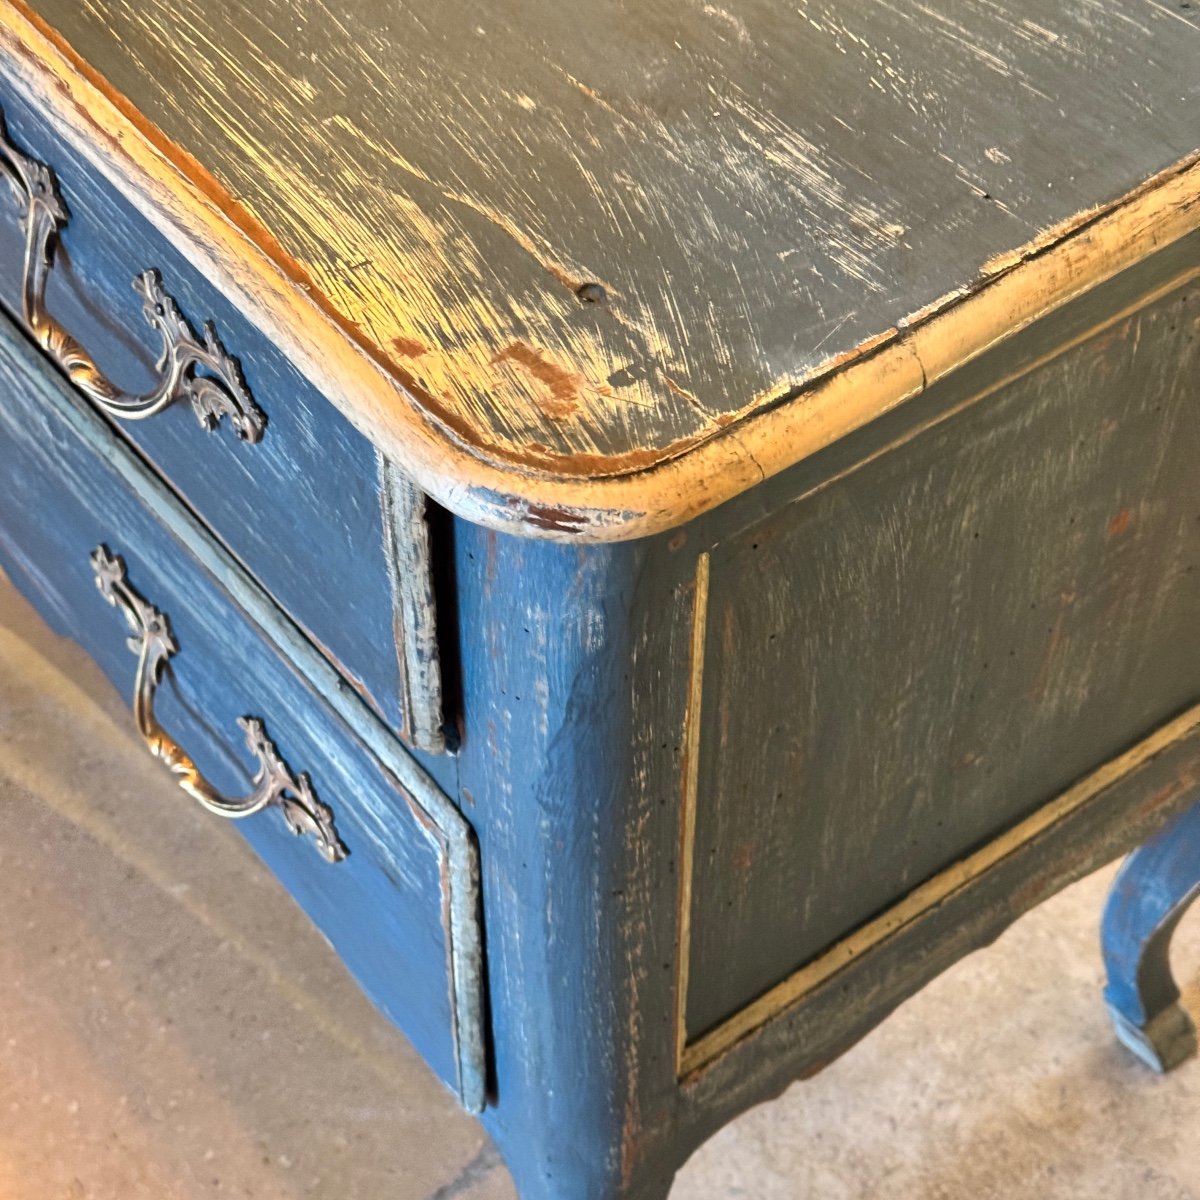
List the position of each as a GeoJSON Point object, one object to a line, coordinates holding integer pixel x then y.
{"type": "Point", "coordinates": [661, 561]}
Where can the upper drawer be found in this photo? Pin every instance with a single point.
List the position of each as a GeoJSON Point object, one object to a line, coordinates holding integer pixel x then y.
{"type": "Point", "coordinates": [387, 867]}
{"type": "Point", "coordinates": [336, 535]}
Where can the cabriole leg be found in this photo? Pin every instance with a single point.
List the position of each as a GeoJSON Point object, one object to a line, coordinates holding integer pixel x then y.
{"type": "Point", "coordinates": [1154, 888]}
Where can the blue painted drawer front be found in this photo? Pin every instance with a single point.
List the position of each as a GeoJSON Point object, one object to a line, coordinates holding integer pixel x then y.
{"type": "Point", "coordinates": [401, 909]}
{"type": "Point", "coordinates": [303, 506]}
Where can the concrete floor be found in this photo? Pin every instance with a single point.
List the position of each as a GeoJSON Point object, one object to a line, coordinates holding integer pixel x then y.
{"type": "Point", "coordinates": [172, 1028]}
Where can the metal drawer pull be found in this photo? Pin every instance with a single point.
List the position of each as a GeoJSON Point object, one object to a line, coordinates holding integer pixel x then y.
{"type": "Point", "coordinates": [220, 392]}
{"type": "Point", "coordinates": [274, 783]}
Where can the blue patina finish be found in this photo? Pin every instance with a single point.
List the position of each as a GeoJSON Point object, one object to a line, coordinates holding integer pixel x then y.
{"type": "Point", "coordinates": [1155, 887]}
{"type": "Point", "coordinates": [402, 908]}
{"type": "Point", "coordinates": [303, 504]}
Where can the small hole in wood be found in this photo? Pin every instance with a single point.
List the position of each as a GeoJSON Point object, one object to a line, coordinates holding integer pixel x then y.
{"type": "Point", "coordinates": [591, 293]}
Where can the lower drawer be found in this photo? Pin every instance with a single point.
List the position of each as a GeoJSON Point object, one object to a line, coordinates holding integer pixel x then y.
{"type": "Point", "coordinates": [384, 864]}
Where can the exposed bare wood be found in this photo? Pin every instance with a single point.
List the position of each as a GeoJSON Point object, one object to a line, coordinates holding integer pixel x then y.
{"type": "Point", "coordinates": [407, 545]}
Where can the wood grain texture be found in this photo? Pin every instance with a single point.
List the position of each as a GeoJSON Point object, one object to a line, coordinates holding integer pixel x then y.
{"type": "Point", "coordinates": [404, 915]}
{"type": "Point", "coordinates": [408, 544]}
{"type": "Point", "coordinates": [760, 241]}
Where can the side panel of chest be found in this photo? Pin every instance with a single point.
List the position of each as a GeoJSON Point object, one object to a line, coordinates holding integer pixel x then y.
{"type": "Point", "coordinates": [924, 649]}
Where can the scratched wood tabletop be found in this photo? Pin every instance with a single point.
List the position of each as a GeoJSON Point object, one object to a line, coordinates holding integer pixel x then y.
{"type": "Point", "coordinates": [591, 236]}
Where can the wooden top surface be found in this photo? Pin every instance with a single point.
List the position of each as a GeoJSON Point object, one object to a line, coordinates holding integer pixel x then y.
{"type": "Point", "coordinates": [763, 190]}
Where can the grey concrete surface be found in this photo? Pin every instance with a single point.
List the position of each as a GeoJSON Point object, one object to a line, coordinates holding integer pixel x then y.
{"type": "Point", "coordinates": [171, 1027]}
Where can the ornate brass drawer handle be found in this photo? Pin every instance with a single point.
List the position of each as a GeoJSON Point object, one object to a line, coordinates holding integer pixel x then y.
{"type": "Point", "coordinates": [274, 784]}
{"type": "Point", "coordinates": [220, 391]}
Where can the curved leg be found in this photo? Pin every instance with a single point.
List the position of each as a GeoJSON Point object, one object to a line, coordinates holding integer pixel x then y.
{"type": "Point", "coordinates": [1149, 896]}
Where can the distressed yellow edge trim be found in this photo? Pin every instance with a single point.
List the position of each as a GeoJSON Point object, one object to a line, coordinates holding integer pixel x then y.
{"type": "Point", "coordinates": [1164, 289]}
{"type": "Point", "coordinates": [689, 789]}
{"type": "Point", "coordinates": [936, 891]}
{"type": "Point", "coordinates": [1023, 286]}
